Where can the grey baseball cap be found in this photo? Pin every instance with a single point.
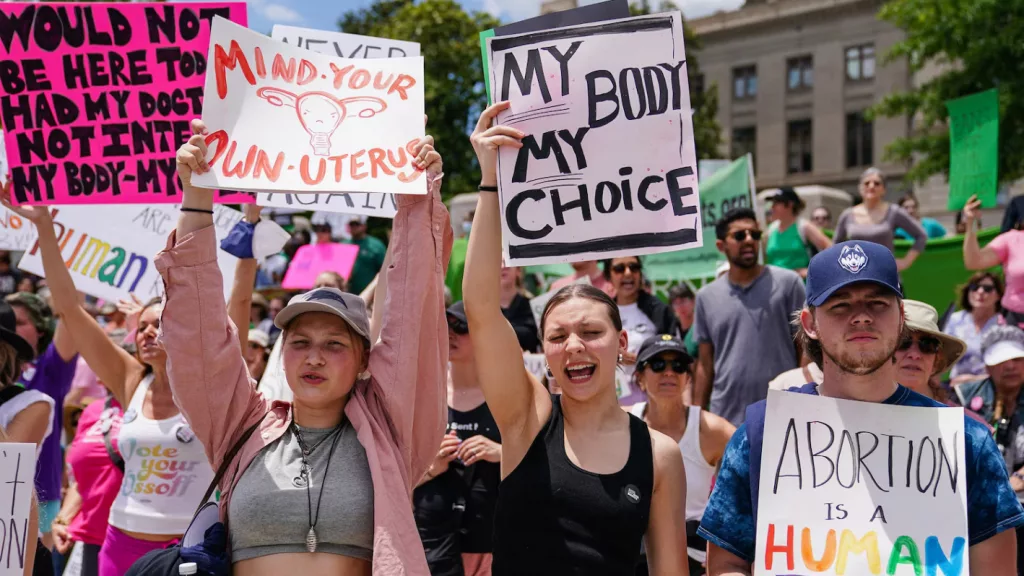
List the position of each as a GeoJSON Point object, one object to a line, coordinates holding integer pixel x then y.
{"type": "Point", "coordinates": [348, 307]}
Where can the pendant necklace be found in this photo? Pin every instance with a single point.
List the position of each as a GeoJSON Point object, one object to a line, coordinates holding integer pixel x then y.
{"type": "Point", "coordinates": [303, 478]}
{"type": "Point", "coordinates": [311, 537]}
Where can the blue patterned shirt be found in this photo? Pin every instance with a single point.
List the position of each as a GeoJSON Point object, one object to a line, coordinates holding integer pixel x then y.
{"type": "Point", "coordinates": [961, 325]}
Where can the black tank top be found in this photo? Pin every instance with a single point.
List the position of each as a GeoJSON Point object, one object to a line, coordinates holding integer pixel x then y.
{"type": "Point", "coordinates": [554, 518]}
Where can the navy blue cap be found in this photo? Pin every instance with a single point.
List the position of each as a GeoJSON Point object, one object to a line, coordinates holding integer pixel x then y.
{"type": "Point", "coordinates": [848, 263]}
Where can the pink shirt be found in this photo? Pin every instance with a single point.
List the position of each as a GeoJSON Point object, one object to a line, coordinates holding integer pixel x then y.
{"type": "Point", "coordinates": [97, 477]}
{"type": "Point", "coordinates": [1009, 246]}
{"type": "Point", "coordinates": [86, 380]}
{"type": "Point", "coordinates": [399, 412]}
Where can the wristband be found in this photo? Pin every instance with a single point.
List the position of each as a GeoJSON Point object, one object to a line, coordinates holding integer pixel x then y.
{"type": "Point", "coordinates": [199, 210]}
{"type": "Point", "coordinates": [487, 188]}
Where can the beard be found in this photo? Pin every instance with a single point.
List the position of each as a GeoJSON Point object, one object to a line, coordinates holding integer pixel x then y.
{"type": "Point", "coordinates": [743, 261]}
{"type": "Point", "coordinates": [862, 363]}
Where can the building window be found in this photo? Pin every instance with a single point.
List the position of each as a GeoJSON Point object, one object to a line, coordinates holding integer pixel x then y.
{"type": "Point", "coordinates": [860, 62]}
{"type": "Point", "coordinates": [800, 147]}
{"type": "Point", "coordinates": [744, 82]}
{"type": "Point", "coordinates": [744, 141]}
{"type": "Point", "coordinates": [800, 73]}
{"type": "Point", "coordinates": [696, 88]}
{"type": "Point", "coordinates": [859, 141]}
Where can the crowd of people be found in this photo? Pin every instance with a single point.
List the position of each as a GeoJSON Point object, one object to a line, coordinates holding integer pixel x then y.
{"type": "Point", "coordinates": [371, 425]}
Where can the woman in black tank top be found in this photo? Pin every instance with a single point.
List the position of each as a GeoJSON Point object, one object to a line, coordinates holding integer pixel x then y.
{"type": "Point", "coordinates": [583, 482]}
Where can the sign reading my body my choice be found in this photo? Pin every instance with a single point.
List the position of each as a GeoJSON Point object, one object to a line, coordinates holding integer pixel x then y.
{"type": "Point", "coordinates": [97, 98]}
{"type": "Point", "coordinates": [608, 166]}
{"type": "Point", "coordinates": [861, 488]}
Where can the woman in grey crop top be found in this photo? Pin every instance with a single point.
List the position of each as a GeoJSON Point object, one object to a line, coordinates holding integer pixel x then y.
{"type": "Point", "coordinates": [876, 220]}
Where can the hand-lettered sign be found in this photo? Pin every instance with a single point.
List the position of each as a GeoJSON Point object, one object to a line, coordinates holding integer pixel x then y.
{"type": "Point", "coordinates": [97, 98]}
{"type": "Point", "coordinates": [365, 203]}
{"type": "Point", "coordinates": [17, 469]}
{"type": "Point", "coordinates": [861, 488]}
{"type": "Point", "coordinates": [285, 118]}
{"type": "Point", "coordinates": [109, 250]}
{"type": "Point", "coordinates": [344, 45]}
{"type": "Point", "coordinates": [608, 165]}
{"type": "Point", "coordinates": [313, 259]}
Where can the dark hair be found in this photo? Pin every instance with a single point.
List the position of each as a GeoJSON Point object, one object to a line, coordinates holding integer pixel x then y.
{"type": "Point", "coordinates": [680, 292]}
{"type": "Point", "coordinates": [905, 197]}
{"type": "Point", "coordinates": [722, 227]}
{"type": "Point", "coordinates": [606, 265]}
{"type": "Point", "coordinates": [587, 292]}
{"type": "Point", "coordinates": [795, 202]}
{"type": "Point", "coordinates": [965, 301]}
{"type": "Point", "coordinates": [41, 314]}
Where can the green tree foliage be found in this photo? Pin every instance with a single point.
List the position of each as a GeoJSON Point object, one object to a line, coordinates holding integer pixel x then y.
{"type": "Point", "coordinates": [706, 132]}
{"type": "Point", "coordinates": [976, 45]}
{"type": "Point", "coordinates": [450, 46]}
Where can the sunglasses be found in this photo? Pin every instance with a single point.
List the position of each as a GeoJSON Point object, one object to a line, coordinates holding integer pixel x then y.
{"type": "Point", "coordinates": [658, 365]}
{"type": "Point", "coordinates": [458, 326]}
{"type": "Point", "coordinates": [986, 288]}
{"type": "Point", "coordinates": [741, 235]}
{"type": "Point", "coordinates": [926, 344]}
{"type": "Point", "coordinates": [634, 267]}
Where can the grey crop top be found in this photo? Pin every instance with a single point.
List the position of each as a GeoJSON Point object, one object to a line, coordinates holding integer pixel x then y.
{"type": "Point", "coordinates": [269, 511]}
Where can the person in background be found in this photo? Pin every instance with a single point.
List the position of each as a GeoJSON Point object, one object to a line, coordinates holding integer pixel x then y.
{"type": "Point", "coordinates": [27, 284]}
{"type": "Point", "coordinates": [114, 320]}
{"type": "Point", "coordinates": [1006, 250]}
{"type": "Point", "coordinates": [741, 316]}
{"type": "Point", "coordinates": [277, 303]}
{"type": "Point", "coordinates": [876, 220]}
{"type": "Point", "coordinates": [257, 353]}
{"type": "Point", "coordinates": [663, 372]}
{"type": "Point", "coordinates": [791, 240]}
{"type": "Point", "coordinates": [682, 300]}
{"type": "Point", "coordinates": [1014, 215]}
{"type": "Point", "coordinates": [931, 226]}
{"type": "Point", "coordinates": [50, 373]}
{"type": "Point", "coordinates": [516, 309]}
{"type": "Point", "coordinates": [822, 218]}
{"type": "Point", "coordinates": [323, 233]}
{"type": "Point", "coordinates": [370, 258]}
{"type": "Point", "coordinates": [259, 309]}
{"type": "Point", "coordinates": [272, 270]}
{"type": "Point", "coordinates": [980, 310]}
{"type": "Point", "coordinates": [454, 501]}
{"type": "Point", "coordinates": [330, 279]}
{"type": "Point", "coordinates": [9, 277]}
{"type": "Point", "coordinates": [585, 269]}
{"type": "Point", "coordinates": [925, 352]}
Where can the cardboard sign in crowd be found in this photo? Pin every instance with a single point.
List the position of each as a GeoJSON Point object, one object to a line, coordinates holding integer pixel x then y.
{"type": "Point", "coordinates": [17, 471]}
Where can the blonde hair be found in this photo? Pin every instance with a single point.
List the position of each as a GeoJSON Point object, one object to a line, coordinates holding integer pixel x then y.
{"type": "Point", "coordinates": [10, 364]}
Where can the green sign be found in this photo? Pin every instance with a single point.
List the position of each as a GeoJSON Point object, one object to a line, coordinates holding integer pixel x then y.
{"type": "Point", "coordinates": [487, 62]}
{"type": "Point", "coordinates": [974, 149]}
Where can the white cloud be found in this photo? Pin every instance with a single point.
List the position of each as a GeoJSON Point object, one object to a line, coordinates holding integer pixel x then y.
{"type": "Point", "coordinates": [275, 12]}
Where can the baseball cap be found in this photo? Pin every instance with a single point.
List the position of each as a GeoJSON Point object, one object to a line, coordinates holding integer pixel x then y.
{"type": "Point", "coordinates": [348, 307]}
{"type": "Point", "coordinates": [849, 263]}
{"type": "Point", "coordinates": [457, 310]}
{"type": "Point", "coordinates": [1002, 343]}
{"type": "Point", "coordinates": [785, 194]}
{"type": "Point", "coordinates": [9, 332]}
{"type": "Point", "coordinates": [661, 343]}
{"type": "Point", "coordinates": [260, 338]}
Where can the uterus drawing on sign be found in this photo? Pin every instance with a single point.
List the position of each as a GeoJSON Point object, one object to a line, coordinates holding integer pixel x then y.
{"type": "Point", "coordinates": [321, 113]}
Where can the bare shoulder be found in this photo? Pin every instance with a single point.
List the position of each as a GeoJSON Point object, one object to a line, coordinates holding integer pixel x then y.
{"type": "Point", "coordinates": [716, 424]}
{"type": "Point", "coordinates": [667, 457]}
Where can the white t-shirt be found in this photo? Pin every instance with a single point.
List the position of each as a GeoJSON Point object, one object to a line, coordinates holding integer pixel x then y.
{"type": "Point", "coordinates": [638, 328]}
{"type": "Point", "coordinates": [11, 408]}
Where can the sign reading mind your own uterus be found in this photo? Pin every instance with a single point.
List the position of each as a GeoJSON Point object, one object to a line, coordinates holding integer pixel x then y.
{"type": "Point", "coordinates": [282, 118]}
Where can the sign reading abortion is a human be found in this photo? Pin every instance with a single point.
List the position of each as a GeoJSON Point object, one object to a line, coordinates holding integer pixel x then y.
{"type": "Point", "coordinates": [608, 166]}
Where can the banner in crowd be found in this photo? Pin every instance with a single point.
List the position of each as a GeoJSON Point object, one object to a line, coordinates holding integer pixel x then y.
{"type": "Point", "coordinates": [574, 191]}
{"type": "Point", "coordinates": [17, 471]}
{"type": "Point", "coordinates": [312, 260]}
{"type": "Point", "coordinates": [288, 119]}
{"type": "Point", "coordinates": [97, 98]}
{"type": "Point", "coordinates": [363, 203]}
{"type": "Point", "coordinates": [536, 365]}
{"type": "Point", "coordinates": [881, 489]}
{"type": "Point", "coordinates": [344, 45]}
{"type": "Point", "coordinates": [974, 149]}
{"type": "Point", "coordinates": [109, 250]}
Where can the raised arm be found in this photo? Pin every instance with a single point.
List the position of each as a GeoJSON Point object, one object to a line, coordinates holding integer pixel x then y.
{"type": "Point", "coordinates": [240, 302]}
{"type": "Point", "coordinates": [816, 236]}
{"type": "Point", "coordinates": [409, 363]}
{"type": "Point", "coordinates": [901, 219]}
{"type": "Point", "coordinates": [204, 358]}
{"type": "Point", "coordinates": [377, 292]}
{"type": "Point", "coordinates": [117, 369]}
{"type": "Point", "coordinates": [976, 257]}
{"type": "Point", "coordinates": [519, 404]}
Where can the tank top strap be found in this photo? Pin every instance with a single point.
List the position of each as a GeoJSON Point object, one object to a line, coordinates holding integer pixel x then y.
{"type": "Point", "coordinates": [641, 453]}
{"type": "Point", "coordinates": [690, 442]}
{"type": "Point", "coordinates": [554, 431]}
{"type": "Point", "coordinates": [638, 409]}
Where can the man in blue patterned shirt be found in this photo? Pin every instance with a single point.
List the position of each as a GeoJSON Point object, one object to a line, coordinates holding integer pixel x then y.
{"type": "Point", "coordinates": [851, 326]}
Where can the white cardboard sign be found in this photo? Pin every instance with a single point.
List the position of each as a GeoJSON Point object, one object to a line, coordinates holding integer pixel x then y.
{"type": "Point", "coordinates": [17, 471]}
{"type": "Point", "coordinates": [109, 249]}
{"type": "Point", "coordinates": [856, 488]}
{"type": "Point", "coordinates": [344, 45]}
{"type": "Point", "coordinates": [288, 119]}
{"type": "Point", "coordinates": [360, 203]}
{"type": "Point", "coordinates": [608, 166]}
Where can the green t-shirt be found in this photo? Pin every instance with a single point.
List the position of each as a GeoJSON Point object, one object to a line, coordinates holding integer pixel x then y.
{"type": "Point", "coordinates": [368, 263]}
{"type": "Point", "coordinates": [786, 249]}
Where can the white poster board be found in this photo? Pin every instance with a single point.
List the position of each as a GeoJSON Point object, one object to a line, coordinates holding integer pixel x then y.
{"type": "Point", "coordinates": [359, 203]}
{"type": "Point", "coordinates": [109, 249]}
{"type": "Point", "coordinates": [536, 364]}
{"type": "Point", "coordinates": [17, 471]}
{"type": "Point", "coordinates": [856, 487]}
{"type": "Point", "coordinates": [344, 45]}
{"type": "Point", "coordinates": [608, 166]}
{"type": "Point", "coordinates": [285, 118]}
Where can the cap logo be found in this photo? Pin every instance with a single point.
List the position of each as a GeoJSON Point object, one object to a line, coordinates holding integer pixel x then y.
{"type": "Point", "coordinates": [665, 337]}
{"type": "Point", "coordinates": [853, 259]}
{"type": "Point", "coordinates": [327, 295]}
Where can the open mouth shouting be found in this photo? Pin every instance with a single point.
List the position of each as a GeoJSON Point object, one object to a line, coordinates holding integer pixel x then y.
{"type": "Point", "coordinates": [313, 378]}
{"type": "Point", "coordinates": [580, 372]}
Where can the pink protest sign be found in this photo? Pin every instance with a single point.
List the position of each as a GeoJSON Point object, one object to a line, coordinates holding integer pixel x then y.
{"type": "Point", "coordinates": [312, 259]}
{"type": "Point", "coordinates": [96, 98]}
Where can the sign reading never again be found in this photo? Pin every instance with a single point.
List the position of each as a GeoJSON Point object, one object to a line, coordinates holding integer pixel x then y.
{"type": "Point", "coordinates": [97, 98]}
{"type": "Point", "coordinates": [608, 166]}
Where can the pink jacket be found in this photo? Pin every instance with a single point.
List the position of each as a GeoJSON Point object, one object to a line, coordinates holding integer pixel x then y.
{"type": "Point", "coordinates": [399, 413]}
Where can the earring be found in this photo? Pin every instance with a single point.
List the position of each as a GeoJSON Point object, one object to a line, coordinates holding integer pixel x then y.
{"type": "Point", "coordinates": [547, 369]}
{"type": "Point", "coordinates": [620, 357]}
{"type": "Point", "coordinates": [364, 375]}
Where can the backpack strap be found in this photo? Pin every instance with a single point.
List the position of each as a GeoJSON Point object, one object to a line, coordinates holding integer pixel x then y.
{"type": "Point", "coordinates": [227, 462]}
{"type": "Point", "coordinates": [108, 433]}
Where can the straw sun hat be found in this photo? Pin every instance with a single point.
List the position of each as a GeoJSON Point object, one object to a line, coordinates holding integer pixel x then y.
{"type": "Point", "coordinates": [924, 319]}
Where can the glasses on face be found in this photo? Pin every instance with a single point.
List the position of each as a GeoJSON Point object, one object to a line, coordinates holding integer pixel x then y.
{"type": "Point", "coordinates": [458, 326]}
{"type": "Point", "coordinates": [658, 365]}
{"type": "Point", "coordinates": [741, 235]}
{"type": "Point", "coordinates": [926, 344]}
{"type": "Point", "coordinates": [634, 267]}
{"type": "Point", "coordinates": [872, 184]}
{"type": "Point", "coordinates": [986, 288]}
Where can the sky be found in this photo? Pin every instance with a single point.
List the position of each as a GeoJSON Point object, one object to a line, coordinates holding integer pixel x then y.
{"type": "Point", "coordinates": [263, 14]}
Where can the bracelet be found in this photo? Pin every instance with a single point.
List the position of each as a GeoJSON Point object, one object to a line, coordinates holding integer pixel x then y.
{"type": "Point", "coordinates": [487, 188]}
{"type": "Point", "coordinates": [199, 210]}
